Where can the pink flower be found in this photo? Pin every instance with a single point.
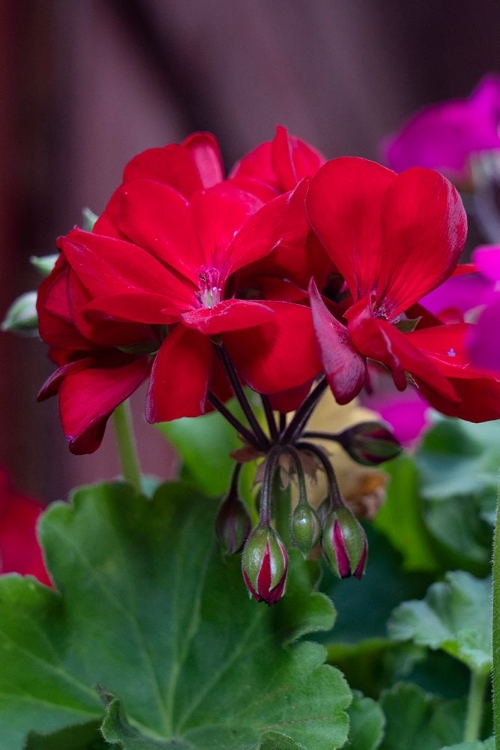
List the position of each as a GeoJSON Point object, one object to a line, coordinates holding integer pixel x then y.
{"type": "Point", "coordinates": [445, 136]}
{"type": "Point", "coordinates": [19, 548]}
{"type": "Point", "coordinates": [484, 340]}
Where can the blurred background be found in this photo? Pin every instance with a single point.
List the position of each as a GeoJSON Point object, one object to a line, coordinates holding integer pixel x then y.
{"type": "Point", "coordinates": [86, 85]}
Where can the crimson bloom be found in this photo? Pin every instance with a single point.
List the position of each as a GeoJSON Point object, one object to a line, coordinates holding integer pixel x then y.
{"type": "Point", "coordinates": [19, 548]}
{"type": "Point", "coordinates": [98, 366]}
{"type": "Point", "coordinates": [393, 238]}
{"type": "Point", "coordinates": [173, 271]}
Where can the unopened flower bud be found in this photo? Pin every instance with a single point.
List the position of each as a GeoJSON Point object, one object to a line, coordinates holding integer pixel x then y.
{"type": "Point", "coordinates": [264, 565]}
{"type": "Point", "coordinates": [22, 317]}
{"type": "Point", "coordinates": [370, 443]}
{"type": "Point", "coordinates": [232, 524]}
{"type": "Point", "coordinates": [44, 263]}
{"type": "Point", "coordinates": [344, 543]}
{"type": "Point", "coordinates": [305, 527]}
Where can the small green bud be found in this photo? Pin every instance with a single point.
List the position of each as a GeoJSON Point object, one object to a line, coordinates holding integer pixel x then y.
{"type": "Point", "coordinates": [264, 565]}
{"type": "Point", "coordinates": [232, 524]}
{"type": "Point", "coordinates": [344, 543]}
{"type": "Point", "coordinates": [305, 527]}
{"type": "Point", "coordinates": [44, 263]}
{"type": "Point", "coordinates": [370, 443]}
{"type": "Point", "coordinates": [89, 219]}
{"type": "Point", "coordinates": [22, 317]}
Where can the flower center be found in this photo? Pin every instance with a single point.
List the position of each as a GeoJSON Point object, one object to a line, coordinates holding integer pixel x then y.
{"type": "Point", "coordinates": [210, 291]}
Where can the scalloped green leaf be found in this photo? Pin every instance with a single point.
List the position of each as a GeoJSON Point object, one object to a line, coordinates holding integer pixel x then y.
{"type": "Point", "coordinates": [367, 723]}
{"type": "Point", "coordinates": [488, 744]}
{"type": "Point", "coordinates": [420, 721]}
{"type": "Point", "coordinates": [150, 609]}
{"type": "Point", "coordinates": [455, 616]}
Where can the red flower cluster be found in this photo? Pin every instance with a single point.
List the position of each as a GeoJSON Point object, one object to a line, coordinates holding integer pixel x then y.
{"type": "Point", "coordinates": [288, 268]}
{"type": "Point", "coordinates": [19, 548]}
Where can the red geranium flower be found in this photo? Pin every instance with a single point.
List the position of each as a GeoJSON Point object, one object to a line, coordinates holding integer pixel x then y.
{"type": "Point", "coordinates": [393, 238]}
{"type": "Point", "coordinates": [19, 548]}
{"type": "Point", "coordinates": [98, 366]}
{"type": "Point", "coordinates": [175, 270]}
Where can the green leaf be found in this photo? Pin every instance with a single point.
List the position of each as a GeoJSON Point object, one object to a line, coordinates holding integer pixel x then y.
{"type": "Point", "coordinates": [151, 610]}
{"type": "Point", "coordinates": [204, 444]}
{"type": "Point", "coordinates": [420, 721]}
{"type": "Point", "coordinates": [454, 616]}
{"type": "Point", "coordinates": [488, 744]}
{"type": "Point", "coordinates": [367, 722]}
{"type": "Point", "coordinates": [458, 473]}
{"type": "Point", "coordinates": [80, 737]}
{"type": "Point", "coordinates": [400, 518]}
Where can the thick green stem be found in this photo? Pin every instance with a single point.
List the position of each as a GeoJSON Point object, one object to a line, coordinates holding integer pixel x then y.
{"type": "Point", "coordinates": [496, 629]}
{"type": "Point", "coordinates": [127, 450]}
{"type": "Point", "coordinates": [475, 705]}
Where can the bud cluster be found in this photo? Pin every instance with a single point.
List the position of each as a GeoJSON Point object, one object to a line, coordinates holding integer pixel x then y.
{"type": "Point", "coordinates": [264, 555]}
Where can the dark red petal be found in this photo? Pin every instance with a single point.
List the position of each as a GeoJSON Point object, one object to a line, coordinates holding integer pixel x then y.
{"type": "Point", "coordinates": [138, 307]}
{"type": "Point", "coordinates": [88, 397]}
{"type": "Point", "coordinates": [423, 232]}
{"type": "Point", "coordinates": [204, 150]}
{"type": "Point", "coordinates": [108, 266]}
{"type": "Point", "coordinates": [479, 398]}
{"type": "Point", "coordinates": [180, 375]}
{"type": "Point", "coordinates": [383, 342]}
{"type": "Point", "coordinates": [53, 383]}
{"type": "Point", "coordinates": [279, 224]}
{"type": "Point", "coordinates": [218, 214]}
{"type": "Point", "coordinates": [257, 165]}
{"type": "Point", "coordinates": [172, 165]}
{"type": "Point", "coordinates": [293, 159]}
{"type": "Point", "coordinates": [107, 223]}
{"type": "Point", "coordinates": [344, 366]}
{"type": "Point", "coordinates": [344, 205]}
{"type": "Point", "coordinates": [278, 355]}
{"type": "Point", "coordinates": [290, 400]}
{"type": "Point", "coordinates": [228, 315]}
{"type": "Point", "coordinates": [159, 219]}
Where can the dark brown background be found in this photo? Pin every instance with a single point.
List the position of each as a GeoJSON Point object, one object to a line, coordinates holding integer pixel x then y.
{"type": "Point", "coordinates": [84, 85]}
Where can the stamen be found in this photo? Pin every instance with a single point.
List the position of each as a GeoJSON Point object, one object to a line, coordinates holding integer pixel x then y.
{"type": "Point", "coordinates": [210, 291]}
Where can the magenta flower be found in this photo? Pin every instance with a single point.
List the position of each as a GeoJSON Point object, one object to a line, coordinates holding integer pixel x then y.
{"type": "Point", "coordinates": [484, 344]}
{"type": "Point", "coordinates": [444, 136]}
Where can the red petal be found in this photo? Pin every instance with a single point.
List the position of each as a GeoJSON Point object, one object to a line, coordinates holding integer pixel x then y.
{"type": "Point", "coordinates": [293, 159]}
{"type": "Point", "coordinates": [228, 315]}
{"type": "Point", "coordinates": [159, 219]}
{"type": "Point", "coordinates": [218, 214]}
{"type": "Point", "coordinates": [257, 165]}
{"type": "Point", "coordinates": [172, 165]}
{"type": "Point", "coordinates": [278, 355]}
{"type": "Point", "coordinates": [424, 227]}
{"type": "Point", "coordinates": [88, 397]}
{"type": "Point", "coordinates": [53, 383]}
{"type": "Point", "coordinates": [344, 367]}
{"type": "Point", "coordinates": [180, 375]}
{"type": "Point", "coordinates": [280, 223]}
{"type": "Point", "coordinates": [138, 307]}
{"type": "Point", "coordinates": [344, 204]}
{"type": "Point", "coordinates": [108, 266]}
{"type": "Point", "coordinates": [205, 152]}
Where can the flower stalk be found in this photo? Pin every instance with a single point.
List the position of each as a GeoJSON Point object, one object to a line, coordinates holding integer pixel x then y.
{"type": "Point", "coordinates": [126, 445]}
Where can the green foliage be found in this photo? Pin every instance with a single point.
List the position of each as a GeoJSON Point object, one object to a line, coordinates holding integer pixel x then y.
{"type": "Point", "coordinates": [454, 616]}
{"type": "Point", "coordinates": [420, 721]}
{"type": "Point", "coordinates": [458, 470]}
{"type": "Point", "coordinates": [367, 722]}
{"type": "Point", "coordinates": [204, 445]}
{"type": "Point", "coordinates": [149, 609]}
{"type": "Point", "coordinates": [488, 744]}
